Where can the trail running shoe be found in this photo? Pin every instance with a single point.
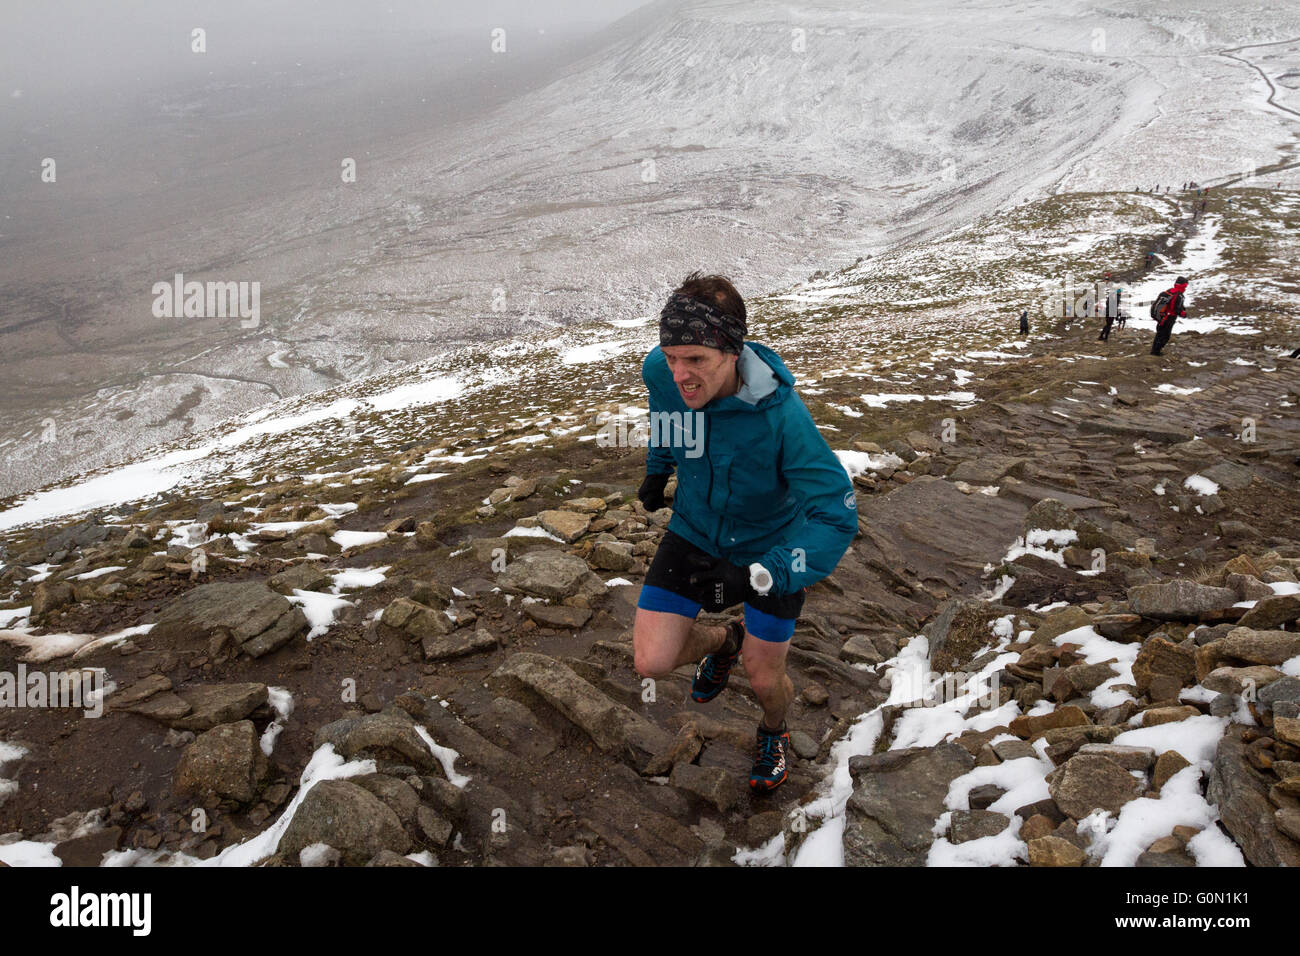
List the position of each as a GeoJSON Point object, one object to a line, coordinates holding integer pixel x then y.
{"type": "Point", "coordinates": [769, 769]}
{"type": "Point", "coordinates": [712, 673]}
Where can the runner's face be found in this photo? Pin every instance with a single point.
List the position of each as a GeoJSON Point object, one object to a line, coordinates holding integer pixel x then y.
{"type": "Point", "coordinates": [700, 373]}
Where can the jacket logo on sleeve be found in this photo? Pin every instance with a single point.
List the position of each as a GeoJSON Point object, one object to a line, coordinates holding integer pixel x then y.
{"type": "Point", "coordinates": [850, 500]}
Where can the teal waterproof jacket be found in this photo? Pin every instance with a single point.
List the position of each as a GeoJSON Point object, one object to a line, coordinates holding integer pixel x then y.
{"type": "Point", "coordinates": [767, 487]}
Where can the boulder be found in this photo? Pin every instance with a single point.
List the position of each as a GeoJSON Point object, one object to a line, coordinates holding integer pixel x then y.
{"type": "Point", "coordinates": [1271, 612]}
{"type": "Point", "coordinates": [1026, 727]}
{"type": "Point", "coordinates": [715, 785]}
{"type": "Point", "coordinates": [1241, 794]}
{"type": "Point", "coordinates": [48, 597]}
{"type": "Point", "coordinates": [213, 704]}
{"type": "Point", "coordinates": [256, 618]}
{"type": "Point", "coordinates": [967, 825]}
{"type": "Point", "coordinates": [1179, 600]}
{"type": "Point", "coordinates": [1233, 680]}
{"type": "Point", "coordinates": [417, 620]}
{"type": "Point", "coordinates": [1059, 622]}
{"type": "Point", "coordinates": [897, 796]}
{"type": "Point", "coordinates": [545, 573]}
{"type": "Point", "coordinates": [1160, 657]}
{"type": "Point", "coordinates": [989, 469]}
{"type": "Point", "coordinates": [557, 615]}
{"type": "Point", "coordinates": [614, 728]}
{"type": "Point", "coordinates": [568, 526]}
{"type": "Point", "coordinates": [1261, 647]}
{"type": "Point", "coordinates": [1054, 851]}
{"type": "Point", "coordinates": [458, 644]}
{"type": "Point", "coordinates": [1088, 782]}
{"type": "Point", "coordinates": [390, 732]}
{"type": "Point", "coordinates": [347, 817]}
{"type": "Point", "coordinates": [226, 761]}
{"type": "Point", "coordinates": [304, 576]}
{"type": "Point", "coordinates": [612, 556]}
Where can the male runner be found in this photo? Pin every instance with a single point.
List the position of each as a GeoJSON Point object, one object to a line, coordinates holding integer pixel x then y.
{"type": "Point", "coordinates": [763, 508]}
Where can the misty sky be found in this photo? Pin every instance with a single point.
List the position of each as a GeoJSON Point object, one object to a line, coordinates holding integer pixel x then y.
{"type": "Point", "coordinates": [58, 47]}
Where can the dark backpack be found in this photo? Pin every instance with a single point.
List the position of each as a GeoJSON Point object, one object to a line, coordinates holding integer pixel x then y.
{"type": "Point", "coordinates": [1159, 305]}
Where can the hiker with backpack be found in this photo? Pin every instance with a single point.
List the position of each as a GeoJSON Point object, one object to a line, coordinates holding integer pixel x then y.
{"type": "Point", "coordinates": [1024, 322]}
{"type": "Point", "coordinates": [763, 510]}
{"type": "Point", "coordinates": [1167, 307]}
{"type": "Point", "coordinates": [1111, 312]}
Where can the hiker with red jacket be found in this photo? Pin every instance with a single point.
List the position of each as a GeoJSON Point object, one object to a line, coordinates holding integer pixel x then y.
{"type": "Point", "coordinates": [1165, 309]}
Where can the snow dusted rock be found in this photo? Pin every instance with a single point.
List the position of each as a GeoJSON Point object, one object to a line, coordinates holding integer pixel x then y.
{"type": "Point", "coordinates": [1231, 680]}
{"type": "Point", "coordinates": [569, 526]}
{"type": "Point", "coordinates": [1229, 475]}
{"type": "Point", "coordinates": [1241, 794]}
{"type": "Point", "coordinates": [1058, 622]}
{"type": "Point", "coordinates": [1272, 612]}
{"type": "Point", "coordinates": [1248, 588]}
{"type": "Point", "coordinates": [1087, 782]}
{"type": "Point", "coordinates": [1179, 600]}
{"type": "Point", "coordinates": [226, 761]}
{"type": "Point", "coordinates": [897, 796]}
{"type": "Point", "coordinates": [390, 733]}
{"type": "Point", "coordinates": [960, 630]}
{"type": "Point", "coordinates": [305, 576]}
{"type": "Point", "coordinates": [548, 573]}
{"type": "Point", "coordinates": [1167, 764]}
{"type": "Point", "coordinates": [256, 618]}
{"type": "Point", "coordinates": [348, 818]}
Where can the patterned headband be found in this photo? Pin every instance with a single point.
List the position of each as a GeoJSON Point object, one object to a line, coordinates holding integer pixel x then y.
{"type": "Point", "coordinates": [690, 321]}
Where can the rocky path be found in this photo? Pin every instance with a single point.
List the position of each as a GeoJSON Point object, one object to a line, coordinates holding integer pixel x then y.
{"type": "Point", "coordinates": [514, 651]}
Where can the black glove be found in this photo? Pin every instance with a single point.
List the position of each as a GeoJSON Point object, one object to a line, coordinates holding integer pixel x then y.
{"type": "Point", "coordinates": [729, 583]}
{"type": "Point", "coordinates": [651, 492]}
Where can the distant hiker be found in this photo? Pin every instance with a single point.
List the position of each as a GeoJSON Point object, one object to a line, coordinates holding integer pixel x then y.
{"type": "Point", "coordinates": [1150, 260]}
{"type": "Point", "coordinates": [1167, 307]}
{"type": "Point", "coordinates": [1024, 322]}
{"type": "Point", "coordinates": [761, 514]}
{"type": "Point", "coordinates": [1112, 312]}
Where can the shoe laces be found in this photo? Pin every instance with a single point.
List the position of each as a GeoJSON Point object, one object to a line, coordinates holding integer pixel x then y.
{"type": "Point", "coordinates": [770, 749]}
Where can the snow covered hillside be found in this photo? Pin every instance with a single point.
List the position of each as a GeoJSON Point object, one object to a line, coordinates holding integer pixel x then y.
{"type": "Point", "coordinates": [762, 139]}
